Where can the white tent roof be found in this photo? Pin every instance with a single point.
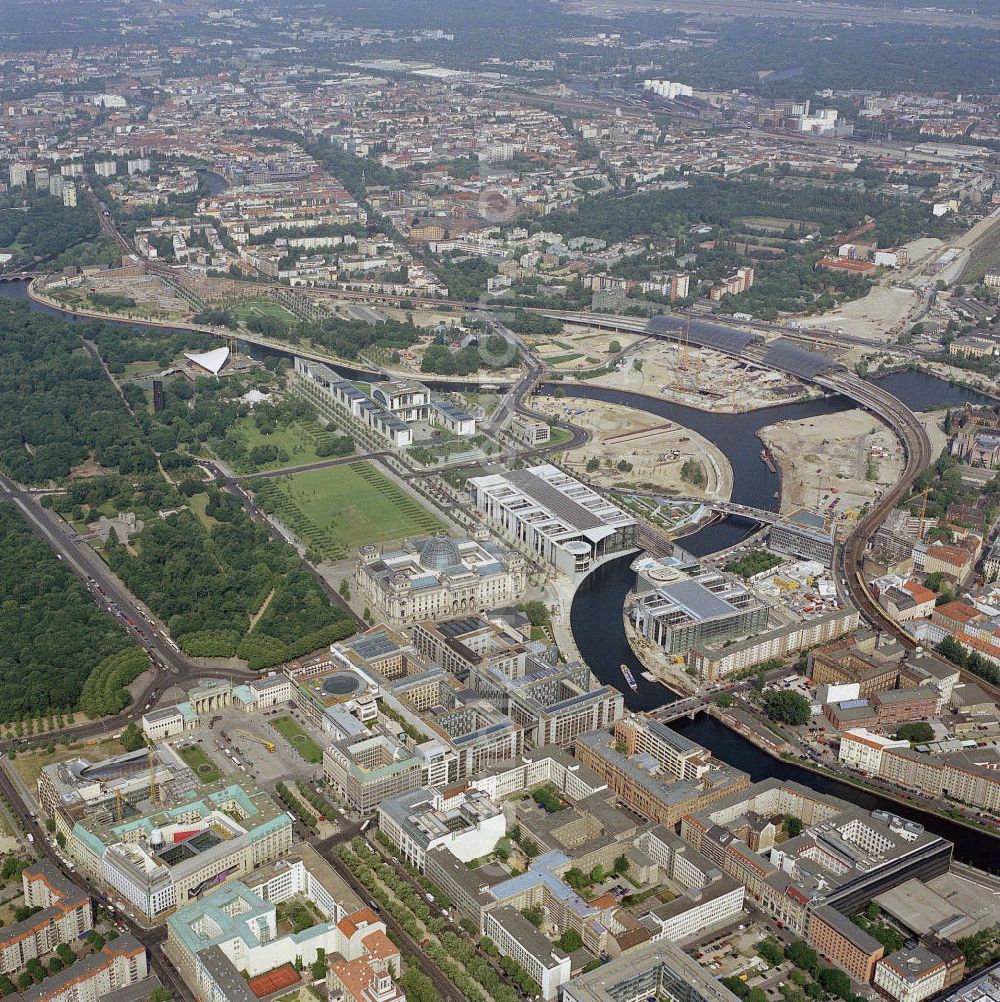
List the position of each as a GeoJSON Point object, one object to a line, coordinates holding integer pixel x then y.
{"type": "Point", "coordinates": [212, 360]}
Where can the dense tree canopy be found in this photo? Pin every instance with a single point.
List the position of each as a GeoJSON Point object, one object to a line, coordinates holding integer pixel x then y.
{"type": "Point", "coordinates": [52, 636]}
{"type": "Point", "coordinates": [57, 407]}
{"type": "Point", "coordinates": [46, 229]}
{"type": "Point", "coordinates": [787, 707]}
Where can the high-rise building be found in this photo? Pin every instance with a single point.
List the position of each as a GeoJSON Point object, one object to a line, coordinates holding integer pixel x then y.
{"type": "Point", "coordinates": [18, 176]}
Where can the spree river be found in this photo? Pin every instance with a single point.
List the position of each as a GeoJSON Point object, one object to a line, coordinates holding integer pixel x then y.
{"type": "Point", "coordinates": [596, 616]}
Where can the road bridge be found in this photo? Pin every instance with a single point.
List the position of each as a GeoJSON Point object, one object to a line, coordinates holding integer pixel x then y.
{"type": "Point", "coordinates": [689, 708]}
{"type": "Point", "coordinates": [811, 367]}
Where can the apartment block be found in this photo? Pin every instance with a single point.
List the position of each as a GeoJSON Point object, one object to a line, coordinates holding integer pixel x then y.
{"type": "Point", "coordinates": [65, 914]}
{"type": "Point", "coordinates": [117, 965]}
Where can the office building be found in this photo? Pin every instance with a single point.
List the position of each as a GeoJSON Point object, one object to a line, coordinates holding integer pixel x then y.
{"type": "Point", "coordinates": [717, 904]}
{"type": "Point", "coordinates": [77, 787]}
{"type": "Point", "coordinates": [679, 756]}
{"type": "Point", "coordinates": [679, 604]}
{"type": "Point", "coordinates": [515, 937]}
{"type": "Point", "coordinates": [162, 857]}
{"type": "Point", "coordinates": [530, 430]}
{"type": "Point", "coordinates": [650, 789]}
{"type": "Point", "coordinates": [229, 945]}
{"type": "Point", "coordinates": [847, 945]}
{"type": "Point", "coordinates": [409, 400]}
{"type": "Point", "coordinates": [338, 400]}
{"type": "Point", "coordinates": [843, 858]}
{"type": "Point", "coordinates": [900, 706]}
{"type": "Point", "coordinates": [659, 970]}
{"type": "Point", "coordinates": [438, 578]}
{"type": "Point", "coordinates": [804, 535]}
{"type": "Point", "coordinates": [553, 703]}
{"type": "Point", "coordinates": [466, 822]}
{"type": "Point", "coordinates": [471, 644]}
{"type": "Point", "coordinates": [555, 517]}
{"type": "Point", "coordinates": [369, 769]}
{"type": "Point", "coordinates": [911, 974]}
{"type": "Point", "coordinates": [545, 765]}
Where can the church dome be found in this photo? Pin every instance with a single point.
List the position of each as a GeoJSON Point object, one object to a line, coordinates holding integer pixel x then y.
{"type": "Point", "coordinates": [438, 553]}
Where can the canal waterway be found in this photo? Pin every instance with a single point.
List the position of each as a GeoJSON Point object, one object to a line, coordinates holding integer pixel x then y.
{"type": "Point", "coordinates": [596, 616]}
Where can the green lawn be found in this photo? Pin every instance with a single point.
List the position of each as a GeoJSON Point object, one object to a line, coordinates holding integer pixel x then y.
{"type": "Point", "coordinates": [299, 441]}
{"type": "Point", "coordinates": [304, 746]}
{"type": "Point", "coordinates": [200, 763]}
{"type": "Point", "coordinates": [198, 504]}
{"type": "Point", "coordinates": [262, 307]}
{"type": "Point", "coordinates": [559, 435]}
{"type": "Point", "coordinates": [336, 510]}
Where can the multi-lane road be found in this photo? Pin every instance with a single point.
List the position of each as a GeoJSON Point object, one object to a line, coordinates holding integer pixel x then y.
{"type": "Point", "coordinates": [169, 665]}
{"type": "Point", "coordinates": [152, 939]}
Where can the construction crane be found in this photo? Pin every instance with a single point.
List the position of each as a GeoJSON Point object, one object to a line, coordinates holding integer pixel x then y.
{"type": "Point", "coordinates": [119, 805]}
{"type": "Point", "coordinates": [253, 737]}
{"type": "Point", "coordinates": [923, 509]}
{"type": "Point", "coordinates": [152, 775]}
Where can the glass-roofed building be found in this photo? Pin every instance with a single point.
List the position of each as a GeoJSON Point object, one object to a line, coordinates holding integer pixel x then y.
{"type": "Point", "coordinates": [679, 604]}
{"type": "Point", "coordinates": [438, 578]}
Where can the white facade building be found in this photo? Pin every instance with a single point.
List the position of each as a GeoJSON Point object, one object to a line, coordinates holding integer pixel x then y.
{"type": "Point", "coordinates": [468, 825]}
{"type": "Point", "coordinates": [910, 975]}
{"type": "Point", "coordinates": [438, 578]}
{"type": "Point", "coordinates": [862, 750]}
{"type": "Point", "coordinates": [555, 517]}
{"type": "Point", "coordinates": [515, 937]}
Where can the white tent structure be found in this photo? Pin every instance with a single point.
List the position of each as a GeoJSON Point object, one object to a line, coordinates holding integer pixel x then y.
{"type": "Point", "coordinates": [211, 361]}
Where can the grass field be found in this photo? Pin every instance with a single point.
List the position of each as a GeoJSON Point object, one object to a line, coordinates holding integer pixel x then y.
{"type": "Point", "coordinates": [262, 307]}
{"type": "Point", "coordinates": [30, 764]}
{"type": "Point", "coordinates": [300, 440]}
{"type": "Point", "coordinates": [200, 764]}
{"type": "Point", "coordinates": [336, 510]}
{"type": "Point", "coordinates": [198, 504]}
{"type": "Point", "coordinates": [304, 746]}
{"type": "Point", "coordinates": [559, 435]}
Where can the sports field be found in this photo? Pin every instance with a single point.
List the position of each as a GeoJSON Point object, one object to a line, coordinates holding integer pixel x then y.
{"type": "Point", "coordinates": [336, 510]}
{"type": "Point", "coordinates": [304, 746]}
{"type": "Point", "coordinates": [262, 307]}
{"type": "Point", "coordinates": [200, 764]}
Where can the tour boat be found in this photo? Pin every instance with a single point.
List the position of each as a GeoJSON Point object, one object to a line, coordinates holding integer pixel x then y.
{"type": "Point", "coordinates": [630, 678]}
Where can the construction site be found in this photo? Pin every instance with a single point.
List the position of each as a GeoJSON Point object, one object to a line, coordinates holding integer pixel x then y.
{"type": "Point", "coordinates": [833, 467]}
{"type": "Point", "coordinates": [638, 449]}
{"type": "Point", "coordinates": [703, 378]}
